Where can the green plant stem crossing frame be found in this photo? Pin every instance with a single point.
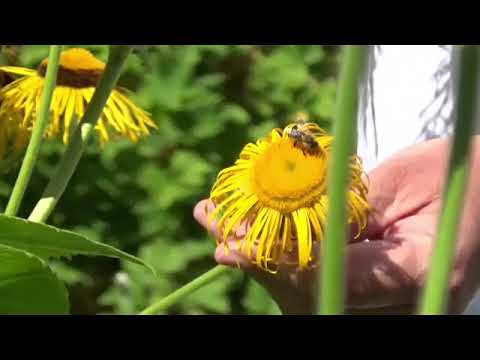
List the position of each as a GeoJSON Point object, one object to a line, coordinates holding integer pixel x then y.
{"type": "Point", "coordinates": [332, 279]}
{"type": "Point", "coordinates": [41, 123]}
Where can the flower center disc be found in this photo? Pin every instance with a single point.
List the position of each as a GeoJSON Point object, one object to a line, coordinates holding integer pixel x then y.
{"type": "Point", "coordinates": [285, 179]}
{"type": "Point", "coordinates": [78, 68]}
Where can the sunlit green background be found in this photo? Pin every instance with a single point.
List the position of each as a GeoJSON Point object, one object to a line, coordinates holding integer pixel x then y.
{"type": "Point", "coordinates": [208, 102]}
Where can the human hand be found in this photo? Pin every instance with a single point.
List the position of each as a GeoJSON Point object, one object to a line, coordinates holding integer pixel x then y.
{"type": "Point", "coordinates": [390, 269]}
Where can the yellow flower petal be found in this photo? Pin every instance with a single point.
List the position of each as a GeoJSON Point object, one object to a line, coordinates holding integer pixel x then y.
{"type": "Point", "coordinates": [18, 70]}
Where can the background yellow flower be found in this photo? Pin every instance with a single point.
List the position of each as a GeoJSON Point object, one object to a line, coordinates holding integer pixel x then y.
{"type": "Point", "coordinates": [13, 136]}
{"type": "Point", "coordinates": [78, 75]}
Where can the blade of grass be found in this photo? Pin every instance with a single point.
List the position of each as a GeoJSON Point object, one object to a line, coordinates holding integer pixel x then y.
{"type": "Point", "coordinates": [435, 297]}
{"type": "Point", "coordinates": [41, 123]}
{"type": "Point", "coordinates": [74, 151]}
{"type": "Point", "coordinates": [332, 277]}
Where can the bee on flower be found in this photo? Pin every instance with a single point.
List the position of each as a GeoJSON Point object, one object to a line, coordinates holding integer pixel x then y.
{"type": "Point", "coordinates": [277, 190]}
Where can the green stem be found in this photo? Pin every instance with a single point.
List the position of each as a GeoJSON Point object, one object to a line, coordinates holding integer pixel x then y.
{"type": "Point", "coordinates": [332, 278]}
{"type": "Point", "coordinates": [33, 149]}
{"type": "Point", "coordinates": [74, 151]}
{"type": "Point", "coordinates": [178, 295]}
{"type": "Point", "coordinates": [435, 296]}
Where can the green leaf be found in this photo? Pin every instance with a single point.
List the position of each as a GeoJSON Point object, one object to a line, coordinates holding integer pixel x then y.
{"type": "Point", "coordinates": [28, 286]}
{"type": "Point", "coordinates": [47, 241]}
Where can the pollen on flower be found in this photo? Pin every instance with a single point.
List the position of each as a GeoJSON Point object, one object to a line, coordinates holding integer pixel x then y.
{"type": "Point", "coordinates": [285, 179]}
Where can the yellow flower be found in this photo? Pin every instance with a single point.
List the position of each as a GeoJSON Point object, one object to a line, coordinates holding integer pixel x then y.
{"type": "Point", "coordinates": [13, 141]}
{"type": "Point", "coordinates": [13, 137]}
{"type": "Point", "coordinates": [78, 75]}
{"type": "Point", "coordinates": [278, 187]}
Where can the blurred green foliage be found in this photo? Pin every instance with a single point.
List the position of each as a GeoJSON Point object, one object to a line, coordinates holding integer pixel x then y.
{"type": "Point", "coordinates": [208, 102]}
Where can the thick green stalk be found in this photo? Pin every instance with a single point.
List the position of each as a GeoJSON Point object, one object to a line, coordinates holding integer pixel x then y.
{"type": "Point", "coordinates": [74, 151]}
{"type": "Point", "coordinates": [332, 279]}
{"type": "Point", "coordinates": [178, 295]}
{"type": "Point", "coordinates": [41, 122]}
{"type": "Point", "coordinates": [435, 296]}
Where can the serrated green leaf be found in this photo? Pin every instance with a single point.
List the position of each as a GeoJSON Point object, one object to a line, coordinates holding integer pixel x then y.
{"type": "Point", "coordinates": [47, 241]}
{"type": "Point", "coordinates": [28, 286]}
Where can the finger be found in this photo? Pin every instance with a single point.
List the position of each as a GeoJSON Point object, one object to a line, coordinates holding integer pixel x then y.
{"type": "Point", "coordinates": [230, 254]}
{"type": "Point", "coordinates": [225, 255]}
{"type": "Point", "coordinates": [201, 213]}
{"type": "Point", "coordinates": [380, 274]}
{"type": "Point", "coordinates": [233, 257]}
{"type": "Point", "coordinates": [289, 287]}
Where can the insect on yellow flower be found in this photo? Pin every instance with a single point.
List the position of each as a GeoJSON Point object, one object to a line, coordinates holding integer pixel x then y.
{"type": "Point", "coordinates": [78, 75]}
{"type": "Point", "coordinates": [278, 189]}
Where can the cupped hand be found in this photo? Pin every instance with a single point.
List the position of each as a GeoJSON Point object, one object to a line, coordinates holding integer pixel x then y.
{"type": "Point", "coordinates": [389, 270]}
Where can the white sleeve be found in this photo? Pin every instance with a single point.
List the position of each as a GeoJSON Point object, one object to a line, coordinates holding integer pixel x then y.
{"type": "Point", "coordinates": [407, 98]}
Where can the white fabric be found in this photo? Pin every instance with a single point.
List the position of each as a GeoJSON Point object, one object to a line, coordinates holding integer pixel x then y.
{"type": "Point", "coordinates": [405, 100]}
